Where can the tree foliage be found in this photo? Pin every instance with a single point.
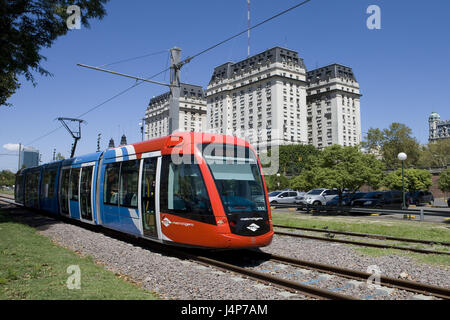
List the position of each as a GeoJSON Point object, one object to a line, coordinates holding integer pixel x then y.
{"type": "Point", "coordinates": [435, 154]}
{"type": "Point", "coordinates": [444, 181]}
{"type": "Point", "coordinates": [391, 141]}
{"type": "Point", "coordinates": [340, 168]}
{"type": "Point", "coordinates": [415, 179]}
{"type": "Point", "coordinates": [274, 182]}
{"type": "Point", "coordinates": [7, 178]}
{"type": "Point", "coordinates": [26, 27]}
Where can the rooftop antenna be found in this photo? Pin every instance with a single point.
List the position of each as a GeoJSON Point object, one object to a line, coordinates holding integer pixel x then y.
{"type": "Point", "coordinates": [76, 135]}
{"type": "Point", "coordinates": [248, 30]}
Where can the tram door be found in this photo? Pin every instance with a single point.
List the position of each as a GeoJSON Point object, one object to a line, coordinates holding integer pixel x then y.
{"type": "Point", "coordinates": [85, 193]}
{"type": "Point", "coordinates": [149, 172]}
{"type": "Point", "coordinates": [64, 191]}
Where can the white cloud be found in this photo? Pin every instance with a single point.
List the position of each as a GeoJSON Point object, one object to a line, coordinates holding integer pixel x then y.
{"type": "Point", "coordinates": [11, 146]}
{"type": "Point", "coordinates": [15, 147]}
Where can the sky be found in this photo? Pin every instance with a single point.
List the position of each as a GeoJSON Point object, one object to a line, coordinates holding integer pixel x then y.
{"type": "Point", "coordinates": [403, 68]}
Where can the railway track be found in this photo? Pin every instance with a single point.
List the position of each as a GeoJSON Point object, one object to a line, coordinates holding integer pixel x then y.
{"type": "Point", "coordinates": [331, 238]}
{"type": "Point", "coordinates": [315, 292]}
{"type": "Point", "coordinates": [366, 235]}
{"type": "Point", "coordinates": [211, 259]}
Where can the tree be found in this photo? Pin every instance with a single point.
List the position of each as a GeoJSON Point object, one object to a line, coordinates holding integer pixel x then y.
{"type": "Point", "coordinates": [7, 178]}
{"type": "Point", "coordinates": [27, 27]}
{"type": "Point", "coordinates": [273, 182]}
{"type": "Point", "coordinates": [444, 181]}
{"type": "Point", "coordinates": [295, 157]}
{"type": "Point", "coordinates": [59, 156]}
{"type": "Point", "coordinates": [391, 141]}
{"type": "Point", "coordinates": [292, 159]}
{"type": "Point", "coordinates": [341, 168]}
{"type": "Point", "coordinates": [415, 179]}
{"type": "Point", "coordinates": [435, 154]}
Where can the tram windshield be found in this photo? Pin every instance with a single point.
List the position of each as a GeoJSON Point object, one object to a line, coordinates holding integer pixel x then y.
{"type": "Point", "coordinates": [237, 176]}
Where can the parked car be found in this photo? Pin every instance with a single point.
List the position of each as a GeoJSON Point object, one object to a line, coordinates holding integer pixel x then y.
{"type": "Point", "coordinates": [420, 197]}
{"type": "Point", "coordinates": [347, 198]}
{"type": "Point", "coordinates": [283, 197]}
{"type": "Point", "coordinates": [380, 199]}
{"type": "Point", "coordinates": [317, 197]}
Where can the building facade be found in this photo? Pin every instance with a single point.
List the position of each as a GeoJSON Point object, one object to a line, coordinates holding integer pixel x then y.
{"type": "Point", "coordinates": [29, 157]}
{"type": "Point", "coordinates": [333, 107]}
{"type": "Point", "coordinates": [192, 114]}
{"type": "Point", "coordinates": [438, 129]}
{"type": "Point", "coordinates": [261, 99]}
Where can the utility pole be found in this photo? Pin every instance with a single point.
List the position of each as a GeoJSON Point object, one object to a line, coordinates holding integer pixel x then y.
{"type": "Point", "coordinates": [174, 106]}
{"type": "Point", "coordinates": [20, 155]}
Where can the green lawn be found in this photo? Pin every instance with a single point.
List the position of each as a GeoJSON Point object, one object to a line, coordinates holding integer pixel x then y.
{"type": "Point", "coordinates": [404, 229]}
{"type": "Point", "coordinates": [32, 267]}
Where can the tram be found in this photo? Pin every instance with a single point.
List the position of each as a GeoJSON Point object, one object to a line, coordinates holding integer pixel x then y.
{"type": "Point", "coordinates": [190, 189]}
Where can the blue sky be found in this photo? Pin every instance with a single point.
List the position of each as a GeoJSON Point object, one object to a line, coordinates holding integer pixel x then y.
{"type": "Point", "coordinates": [403, 69]}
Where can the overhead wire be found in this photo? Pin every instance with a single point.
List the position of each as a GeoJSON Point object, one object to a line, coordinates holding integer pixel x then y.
{"type": "Point", "coordinates": [134, 58]}
{"type": "Point", "coordinates": [188, 59]}
{"type": "Point", "coordinates": [98, 106]}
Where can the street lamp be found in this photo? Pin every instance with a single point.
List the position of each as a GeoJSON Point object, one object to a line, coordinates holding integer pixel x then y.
{"type": "Point", "coordinates": [402, 157]}
{"type": "Point", "coordinates": [278, 180]}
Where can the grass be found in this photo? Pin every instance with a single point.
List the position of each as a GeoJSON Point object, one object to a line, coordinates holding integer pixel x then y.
{"type": "Point", "coordinates": [404, 229]}
{"type": "Point", "coordinates": [433, 259]}
{"type": "Point", "coordinates": [32, 267]}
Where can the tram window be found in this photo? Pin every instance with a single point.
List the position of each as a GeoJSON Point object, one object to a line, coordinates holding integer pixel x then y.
{"type": "Point", "coordinates": [237, 177]}
{"type": "Point", "coordinates": [183, 191]}
{"type": "Point", "coordinates": [31, 189]}
{"type": "Point", "coordinates": [19, 188]}
{"type": "Point", "coordinates": [48, 184]}
{"type": "Point", "coordinates": [129, 176]}
{"type": "Point", "coordinates": [65, 182]}
{"type": "Point", "coordinates": [74, 180]}
{"type": "Point", "coordinates": [111, 184]}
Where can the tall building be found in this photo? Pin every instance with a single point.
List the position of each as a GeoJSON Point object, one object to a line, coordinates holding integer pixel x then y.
{"type": "Point", "coordinates": [29, 157]}
{"type": "Point", "coordinates": [439, 129]}
{"type": "Point", "coordinates": [192, 116]}
{"type": "Point", "coordinates": [333, 107]}
{"type": "Point", "coordinates": [261, 99]}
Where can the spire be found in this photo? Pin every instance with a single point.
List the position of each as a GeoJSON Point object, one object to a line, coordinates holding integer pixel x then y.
{"type": "Point", "coordinates": [123, 140]}
{"type": "Point", "coordinates": [111, 143]}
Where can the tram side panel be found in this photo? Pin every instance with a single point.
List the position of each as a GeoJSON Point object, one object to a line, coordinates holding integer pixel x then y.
{"type": "Point", "coordinates": [118, 197]}
{"type": "Point", "coordinates": [48, 196]}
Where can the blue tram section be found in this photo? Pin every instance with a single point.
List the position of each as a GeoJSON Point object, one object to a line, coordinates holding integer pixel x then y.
{"type": "Point", "coordinates": [119, 176]}
{"type": "Point", "coordinates": [99, 188]}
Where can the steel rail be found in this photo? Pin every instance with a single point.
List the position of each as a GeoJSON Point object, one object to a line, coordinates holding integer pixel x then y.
{"type": "Point", "coordinates": [291, 286]}
{"type": "Point", "coordinates": [358, 243]}
{"type": "Point", "coordinates": [367, 235]}
{"type": "Point", "coordinates": [413, 286]}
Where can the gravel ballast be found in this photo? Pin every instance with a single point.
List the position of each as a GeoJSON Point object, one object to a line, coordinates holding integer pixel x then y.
{"type": "Point", "coordinates": [172, 278]}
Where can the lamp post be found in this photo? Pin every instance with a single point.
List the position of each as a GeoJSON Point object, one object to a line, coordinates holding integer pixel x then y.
{"type": "Point", "coordinates": [278, 180]}
{"type": "Point", "coordinates": [402, 157]}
